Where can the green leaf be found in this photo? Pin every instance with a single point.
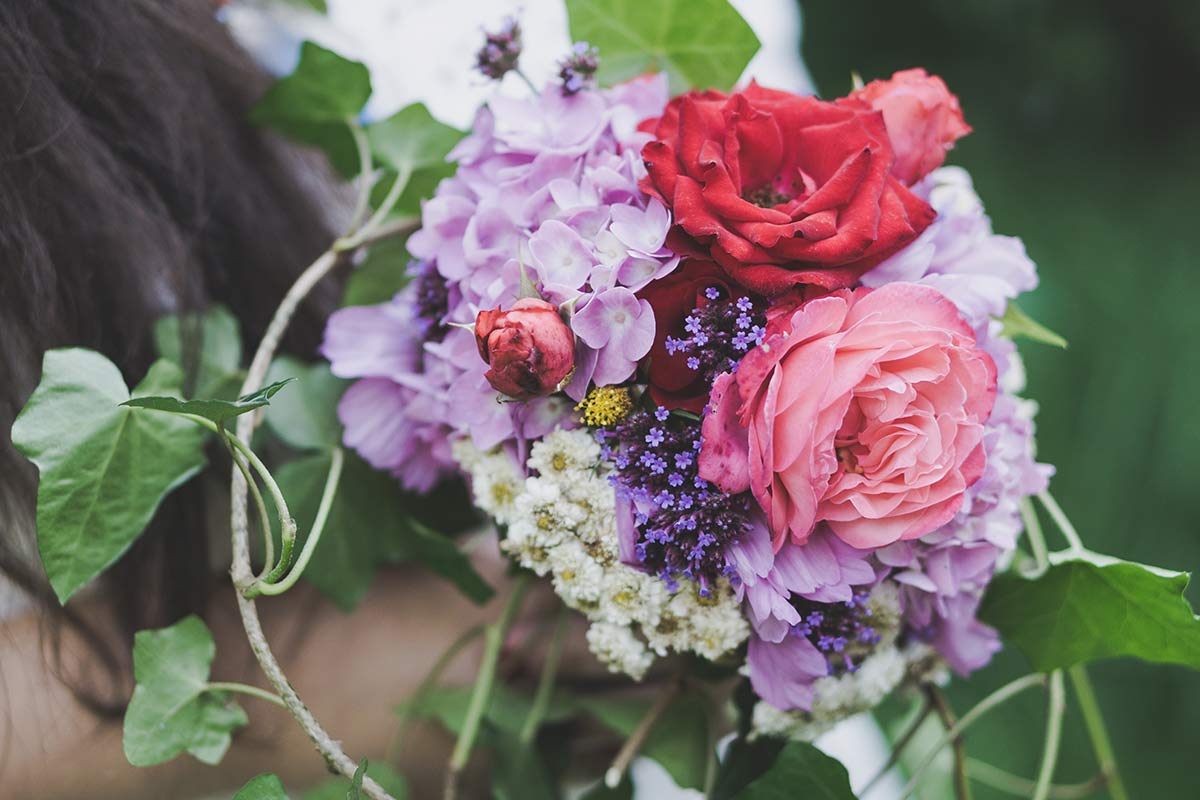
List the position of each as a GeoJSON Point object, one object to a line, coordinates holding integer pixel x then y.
{"type": "Point", "coordinates": [745, 761]}
{"type": "Point", "coordinates": [312, 5]}
{"type": "Point", "coordinates": [216, 410]}
{"type": "Point", "coordinates": [306, 417]}
{"type": "Point", "coordinates": [337, 788]}
{"type": "Point", "coordinates": [701, 44]}
{"type": "Point", "coordinates": [207, 347]}
{"type": "Point", "coordinates": [678, 741]}
{"type": "Point", "coordinates": [1017, 323]}
{"type": "Point", "coordinates": [506, 711]}
{"type": "Point", "coordinates": [801, 770]}
{"type": "Point", "coordinates": [316, 104]}
{"type": "Point", "coordinates": [172, 710]}
{"type": "Point", "coordinates": [103, 468]}
{"type": "Point", "coordinates": [382, 274]}
{"type": "Point", "coordinates": [263, 787]}
{"type": "Point", "coordinates": [1092, 607]}
{"type": "Point", "coordinates": [368, 526]}
{"type": "Point", "coordinates": [411, 140]}
{"type": "Point", "coordinates": [520, 772]}
{"type": "Point", "coordinates": [355, 790]}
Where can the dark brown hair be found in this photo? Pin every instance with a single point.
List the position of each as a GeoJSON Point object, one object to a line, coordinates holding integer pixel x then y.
{"type": "Point", "coordinates": [132, 186]}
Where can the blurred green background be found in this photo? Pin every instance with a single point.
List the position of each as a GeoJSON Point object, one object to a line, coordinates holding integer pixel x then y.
{"type": "Point", "coordinates": [1087, 145]}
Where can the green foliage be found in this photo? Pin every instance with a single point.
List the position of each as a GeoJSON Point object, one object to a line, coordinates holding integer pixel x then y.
{"type": "Point", "coordinates": [382, 274]}
{"type": "Point", "coordinates": [339, 788]}
{"type": "Point", "coordinates": [218, 411]}
{"type": "Point", "coordinates": [103, 468]}
{"type": "Point", "coordinates": [317, 104]}
{"type": "Point", "coordinates": [520, 772]}
{"type": "Point", "coordinates": [172, 710]}
{"type": "Point", "coordinates": [801, 770]}
{"type": "Point", "coordinates": [263, 787]}
{"type": "Point", "coordinates": [1092, 607]}
{"type": "Point", "coordinates": [368, 527]}
{"type": "Point", "coordinates": [623, 791]}
{"type": "Point", "coordinates": [506, 711]}
{"type": "Point", "coordinates": [745, 761]}
{"type": "Point", "coordinates": [678, 741]}
{"type": "Point", "coordinates": [207, 347]}
{"type": "Point", "coordinates": [1019, 324]}
{"type": "Point", "coordinates": [702, 44]}
{"type": "Point", "coordinates": [306, 417]}
{"type": "Point", "coordinates": [411, 141]}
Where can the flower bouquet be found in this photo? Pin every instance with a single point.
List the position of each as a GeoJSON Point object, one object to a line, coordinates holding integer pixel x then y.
{"type": "Point", "coordinates": [732, 371]}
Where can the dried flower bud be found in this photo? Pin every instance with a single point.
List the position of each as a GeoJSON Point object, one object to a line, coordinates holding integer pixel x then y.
{"type": "Point", "coordinates": [500, 50]}
{"type": "Point", "coordinates": [578, 70]}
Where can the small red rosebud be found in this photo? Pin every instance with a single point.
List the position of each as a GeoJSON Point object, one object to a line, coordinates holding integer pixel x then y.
{"type": "Point", "coordinates": [529, 347]}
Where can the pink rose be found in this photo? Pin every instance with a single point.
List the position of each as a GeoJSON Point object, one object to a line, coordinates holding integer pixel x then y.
{"type": "Point", "coordinates": [922, 117]}
{"type": "Point", "coordinates": [861, 408]}
{"type": "Point", "coordinates": [530, 349]}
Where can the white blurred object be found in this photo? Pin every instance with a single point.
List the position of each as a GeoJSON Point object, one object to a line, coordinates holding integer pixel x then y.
{"type": "Point", "coordinates": [426, 51]}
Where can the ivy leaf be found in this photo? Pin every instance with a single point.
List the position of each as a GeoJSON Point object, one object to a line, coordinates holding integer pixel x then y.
{"type": "Point", "coordinates": [1089, 607]}
{"type": "Point", "coordinates": [355, 790]}
{"type": "Point", "coordinates": [207, 347]}
{"type": "Point", "coordinates": [172, 710]}
{"type": "Point", "coordinates": [368, 526]}
{"type": "Point", "coordinates": [745, 761]}
{"type": "Point", "coordinates": [262, 787]}
{"type": "Point", "coordinates": [382, 273]}
{"type": "Point", "coordinates": [306, 418]}
{"type": "Point", "coordinates": [801, 770]}
{"type": "Point", "coordinates": [337, 788]}
{"type": "Point", "coordinates": [1016, 323]}
{"type": "Point", "coordinates": [216, 410]}
{"type": "Point", "coordinates": [411, 140]}
{"type": "Point", "coordinates": [678, 741]}
{"type": "Point", "coordinates": [103, 468]}
{"type": "Point", "coordinates": [316, 104]}
{"type": "Point", "coordinates": [701, 44]}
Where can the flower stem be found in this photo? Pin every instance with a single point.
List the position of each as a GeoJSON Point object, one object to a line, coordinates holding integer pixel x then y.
{"type": "Point", "coordinates": [545, 688]}
{"type": "Point", "coordinates": [962, 783]}
{"type": "Point", "coordinates": [242, 688]}
{"type": "Point", "coordinates": [614, 774]}
{"type": "Point", "coordinates": [366, 179]}
{"type": "Point", "coordinates": [485, 681]}
{"type": "Point", "coordinates": [1093, 721]}
{"type": "Point", "coordinates": [1064, 524]}
{"type": "Point", "coordinates": [1054, 718]}
{"type": "Point", "coordinates": [337, 458]}
{"type": "Point", "coordinates": [264, 519]}
{"type": "Point", "coordinates": [1033, 529]}
{"type": "Point", "coordinates": [986, 704]}
{"type": "Point", "coordinates": [901, 745]}
{"type": "Point", "coordinates": [532, 86]}
{"type": "Point", "coordinates": [1017, 786]}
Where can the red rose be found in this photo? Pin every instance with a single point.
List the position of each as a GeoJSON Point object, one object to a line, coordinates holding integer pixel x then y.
{"type": "Point", "coordinates": [778, 189]}
{"type": "Point", "coordinates": [922, 117]}
{"type": "Point", "coordinates": [529, 347]}
{"type": "Point", "coordinates": [671, 382]}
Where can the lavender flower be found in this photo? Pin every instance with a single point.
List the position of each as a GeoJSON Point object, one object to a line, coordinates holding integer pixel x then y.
{"type": "Point", "coordinates": [722, 332]}
{"type": "Point", "coordinates": [578, 70]}
{"type": "Point", "coordinates": [501, 50]}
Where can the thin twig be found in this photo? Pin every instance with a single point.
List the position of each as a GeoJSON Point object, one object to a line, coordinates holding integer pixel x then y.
{"type": "Point", "coordinates": [545, 688]}
{"type": "Point", "coordinates": [987, 704]}
{"type": "Point", "coordinates": [1093, 721]}
{"type": "Point", "coordinates": [366, 176]}
{"type": "Point", "coordinates": [898, 749]}
{"type": "Point", "coordinates": [614, 774]}
{"type": "Point", "coordinates": [1064, 524]}
{"type": "Point", "coordinates": [1054, 717]}
{"type": "Point", "coordinates": [485, 681]}
{"type": "Point", "coordinates": [1004, 781]}
{"type": "Point", "coordinates": [962, 783]}
{"type": "Point", "coordinates": [243, 688]}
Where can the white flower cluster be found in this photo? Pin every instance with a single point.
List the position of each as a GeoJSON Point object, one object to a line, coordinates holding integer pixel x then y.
{"type": "Point", "coordinates": [844, 694]}
{"type": "Point", "coordinates": [562, 522]}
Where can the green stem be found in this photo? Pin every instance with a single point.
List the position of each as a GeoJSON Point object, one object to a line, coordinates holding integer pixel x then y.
{"type": "Point", "coordinates": [1033, 529]}
{"type": "Point", "coordinates": [389, 200]}
{"type": "Point", "coordinates": [1054, 718]}
{"type": "Point", "coordinates": [242, 688]}
{"type": "Point", "coordinates": [363, 146]}
{"type": "Point", "coordinates": [987, 704]}
{"type": "Point", "coordinates": [337, 458]}
{"type": "Point", "coordinates": [485, 681]}
{"type": "Point", "coordinates": [614, 774]}
{"type": "Point", "coordinates": [405, 713]}
{"type": "Point", "coordinates": [264, 519]}
{"type": "Point", "coordinates": [532, 86]}
{"type": "Point", "coordinates": [1093, 720]}
{"type": "Point", "coordinates": [901, 745]}
{"type": "Point", "coordinates": [1064, 524]}
{"type": "Point", "coordinates": [962, 783]}
{"type": "Point", "coordinates": [1017, 786]}
{"type": "Point", "coordinates": [545, 688]}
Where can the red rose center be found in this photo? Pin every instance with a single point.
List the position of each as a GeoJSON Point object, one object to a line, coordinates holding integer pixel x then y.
{"type": "Point", "coordinates": [766, 197]}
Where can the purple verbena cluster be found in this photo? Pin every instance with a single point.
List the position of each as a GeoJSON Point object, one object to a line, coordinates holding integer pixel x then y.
{"type": "Point", "coordinates": [684, 523]}
{"type": "Point", "coordinates": [837, 630]}
{"type": "Point", "coordinates": [501, 50]}
{"type": "Point", "coordinates": [578, 70]}
{"type": "Point", "coordinates": [431, 301]}
{"type": "Point", "coordinates": [721, 332]}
